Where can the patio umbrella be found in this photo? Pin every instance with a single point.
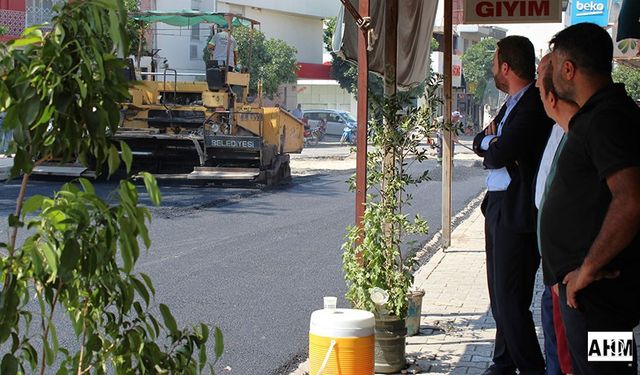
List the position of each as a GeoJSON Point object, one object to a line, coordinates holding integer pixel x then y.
{"type": "Point", "coordinates": [415, 27]}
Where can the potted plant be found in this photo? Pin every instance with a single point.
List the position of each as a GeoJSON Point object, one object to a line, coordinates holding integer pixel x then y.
{"type": "Point", "coordinates": [377, 275]}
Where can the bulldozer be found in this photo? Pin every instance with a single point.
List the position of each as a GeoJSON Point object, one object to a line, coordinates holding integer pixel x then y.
{"type": "Point", "coordinates": [207, 129]}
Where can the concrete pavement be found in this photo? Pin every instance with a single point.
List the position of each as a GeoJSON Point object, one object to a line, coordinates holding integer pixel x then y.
{"type": "Point", "coordinates": [457, 330]}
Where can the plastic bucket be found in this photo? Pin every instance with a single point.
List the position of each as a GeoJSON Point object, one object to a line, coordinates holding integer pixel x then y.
{"type": "Point", "coordinates": [390, 345]}
{"type": "Point", "coordinates": [341, 342]}
{"type": "Point", "coordinates": [414, 311]}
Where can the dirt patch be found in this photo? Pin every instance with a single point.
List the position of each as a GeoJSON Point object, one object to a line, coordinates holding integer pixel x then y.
{"type": "Point", "coordinates": [309, 166]}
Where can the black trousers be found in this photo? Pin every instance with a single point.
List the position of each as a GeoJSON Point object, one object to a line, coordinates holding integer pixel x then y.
{"type": "Point", "coordinates": [605, 305]}
{"type": "Point", "coordinates": [512, 263]}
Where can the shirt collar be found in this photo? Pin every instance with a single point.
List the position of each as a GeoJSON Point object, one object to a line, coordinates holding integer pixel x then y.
{"type": "Point", "coordinates": [516, 97]}
{"type": "Point", "coordinates": [612, 90]}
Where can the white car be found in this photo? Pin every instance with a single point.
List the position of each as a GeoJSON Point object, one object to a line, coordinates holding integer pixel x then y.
{"type": "Point", "coordinates": [335, 121]}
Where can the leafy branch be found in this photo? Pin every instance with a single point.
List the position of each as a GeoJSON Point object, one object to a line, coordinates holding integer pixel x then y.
{"type": "Point", "coordinates": [372, 254]}
{"type": "Point", "coordinates": [61, 93]}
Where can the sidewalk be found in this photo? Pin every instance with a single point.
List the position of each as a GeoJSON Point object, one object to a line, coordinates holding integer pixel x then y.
{"type": "Point", "coordinates": [457, 329]}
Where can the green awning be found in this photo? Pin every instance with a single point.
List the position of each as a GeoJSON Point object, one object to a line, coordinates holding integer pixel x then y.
{"type": "Point", "coordinates": [192, 17]}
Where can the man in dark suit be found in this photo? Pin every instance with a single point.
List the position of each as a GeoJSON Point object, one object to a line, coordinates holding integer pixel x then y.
{"type": "Point", "coordinates": [512, 146]}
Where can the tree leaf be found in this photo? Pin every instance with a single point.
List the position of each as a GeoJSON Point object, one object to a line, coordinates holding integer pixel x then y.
{"type": "Point", "coordinates": [17, 43]}
{"type": "Point", "coordinates": [152, 188]}
{"type": "Point", "coordinates": [107, 4]}
{"type": "Point", "coordinates": [87, 186]}
{"type": "Point", "coordinates": [9, 365]}
{"type": "Point", "coordinates": [219, 343]}
{"type": "Point", "coordinates": [69, 257]}
{"type": "Point", "coordinates": [141, 289]}
{"type": "Point", "coordinates": [54, 337]}
{"type": "Point", "coordinates": [30, 111]}
{"type": "Point", "coordinates": [202, 357]}
{"type": "Point", "coordinates": [46, 114]}
{"type": "Point", "coordinates": [49, 353]}
{"type": "Point", "coordinates": [32, 204]}
{"type": "Point", "coordinates": [125, 251]}
{"type": "Point", "coordinates": [14, 221]}
{"type": "Point", "coordinates": [169, 320]}
{"type": "Point", "coordinates": [205, 332]}
{"type": "Point", "coordinates": [147, 281]}
{"type": "Point", "coordinates": [82, 86]}
{"type": "Point", "coordinates": [50, 258]}
{"type": "Point", "coordinates": [30, 354]}
{"type": "Point", "coordinates": [127, 156]}
{"type": "Point", "coordinates": [114, 160]}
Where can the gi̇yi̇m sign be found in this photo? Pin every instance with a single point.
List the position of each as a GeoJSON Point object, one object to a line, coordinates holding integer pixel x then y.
{"type": "Point", "coordinates": [512, 11]}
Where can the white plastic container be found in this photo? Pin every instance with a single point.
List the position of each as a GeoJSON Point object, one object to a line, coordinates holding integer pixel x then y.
{"type": "Point", "coordinates": [341, 341]}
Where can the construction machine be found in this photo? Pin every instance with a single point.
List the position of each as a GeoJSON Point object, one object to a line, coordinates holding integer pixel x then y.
{"type": "Point", "coordinates": [204, 128]}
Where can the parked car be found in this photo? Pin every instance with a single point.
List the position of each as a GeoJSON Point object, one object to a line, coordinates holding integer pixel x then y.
{"type": "Point", "coordinates": [334, 120]}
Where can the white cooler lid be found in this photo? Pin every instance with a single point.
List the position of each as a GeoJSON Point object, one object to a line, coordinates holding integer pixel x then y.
{"type": "Point", "coordinates": [342, 323]}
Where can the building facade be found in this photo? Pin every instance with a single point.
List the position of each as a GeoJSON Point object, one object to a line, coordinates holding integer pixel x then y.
{"type": "Point", "coordinates": [12, 18]}
{"type": "Point", "coordinates": [15, 15]}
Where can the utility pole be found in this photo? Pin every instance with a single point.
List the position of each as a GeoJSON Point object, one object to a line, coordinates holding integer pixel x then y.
{"type": "Point", "coordinates": [447, 155]}
{"type": "Point", "coordinates": [363, 115]}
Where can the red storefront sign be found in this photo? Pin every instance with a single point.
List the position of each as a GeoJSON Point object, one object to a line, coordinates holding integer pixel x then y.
{"type": "Point", "coordinates": [512, 11]}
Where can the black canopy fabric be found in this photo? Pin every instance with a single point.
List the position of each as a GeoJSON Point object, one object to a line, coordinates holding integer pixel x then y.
{"type": "Point", "coordinates": [629, 20]}
{"type": "Point", "coordinates": [415, 29]}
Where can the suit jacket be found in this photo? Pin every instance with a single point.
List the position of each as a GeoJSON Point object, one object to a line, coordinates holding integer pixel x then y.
{"type": "Point", "coordinates": [519, 148]}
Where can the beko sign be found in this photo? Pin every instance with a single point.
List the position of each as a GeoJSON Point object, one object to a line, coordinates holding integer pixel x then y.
{"type": "Point", "coordinates": [594, 11]}
{"type": "Point", "coordinates": [512, 11]}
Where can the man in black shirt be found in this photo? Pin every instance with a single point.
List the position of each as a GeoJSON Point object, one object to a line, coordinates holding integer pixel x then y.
{"type": "Point", "coordinates": [590, 219]}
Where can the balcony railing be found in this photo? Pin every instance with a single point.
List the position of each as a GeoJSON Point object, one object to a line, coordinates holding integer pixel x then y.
{"type": "Point", "coordinates": [13, 20]}
{"type": "Point", "coordinates": [39, 15]}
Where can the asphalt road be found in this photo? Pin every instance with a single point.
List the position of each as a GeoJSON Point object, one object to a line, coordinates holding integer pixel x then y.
{"type": "Point", "coordinates": [257, 262]}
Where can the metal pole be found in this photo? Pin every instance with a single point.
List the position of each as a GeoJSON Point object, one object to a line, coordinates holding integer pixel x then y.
{"type": "Point", "coordinates": [229, 19]}
{"type": "Point", "coordinates": [141, 24]}
{"type": "Point", "coordinates": [390, 47]}
{"type": "Point", "coordinates": [390, 72]}
{"type": "Point", "coordinates": [363, 99]}
{"type": "Point", "coordinates": [447, 159]}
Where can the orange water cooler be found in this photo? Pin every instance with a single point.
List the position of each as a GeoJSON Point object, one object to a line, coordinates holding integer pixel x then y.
{"type": "Point", "coordinates": [341, 342]}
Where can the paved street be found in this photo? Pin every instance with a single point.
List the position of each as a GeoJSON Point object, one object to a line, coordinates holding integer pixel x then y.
{"type": "Point", "coordinates": [257, 262]}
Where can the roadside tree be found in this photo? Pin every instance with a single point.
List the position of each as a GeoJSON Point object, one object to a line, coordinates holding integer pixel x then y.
{"type": "Point", "coordinates": [631, 79]}
{"type": "Point", "coordinates": [377, 274]}
{"type": "Point", "coordinates": [134, 29]}
{"type": "Point", "coordinates": [476, 62]}
{"type": "Point", "coordinates": [74, 265]}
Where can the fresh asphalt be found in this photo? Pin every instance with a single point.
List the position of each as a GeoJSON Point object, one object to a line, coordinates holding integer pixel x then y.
{"type": "Point", "coordinates": [256, 262]}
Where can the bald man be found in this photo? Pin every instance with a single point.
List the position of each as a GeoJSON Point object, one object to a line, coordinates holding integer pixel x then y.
{"type": "Point", "coordinates": [558, 359]}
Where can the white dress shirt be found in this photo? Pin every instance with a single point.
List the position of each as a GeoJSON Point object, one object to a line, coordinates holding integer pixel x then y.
{"type": "Point", "coordinates": [499, 179]}
{"type": "Point", "coordinates": [545, 163]}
